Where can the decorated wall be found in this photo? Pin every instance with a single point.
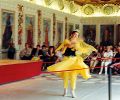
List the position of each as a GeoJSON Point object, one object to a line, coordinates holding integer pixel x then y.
{"type": "Point", "coordinates": [39, 22]}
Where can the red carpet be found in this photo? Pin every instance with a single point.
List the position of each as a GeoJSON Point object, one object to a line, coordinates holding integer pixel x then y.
{"type": "Point", "coordinates": [14, 70]}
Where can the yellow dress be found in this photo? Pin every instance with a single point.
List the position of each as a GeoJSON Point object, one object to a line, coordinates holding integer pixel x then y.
{"type": "Point", "coordinates": [74, 63]}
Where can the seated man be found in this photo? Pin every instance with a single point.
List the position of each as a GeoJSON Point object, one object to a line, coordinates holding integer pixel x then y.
{"type": "Point", "coordinates": [44, 52]}
{"type": "Point", "coordinates": [36, 53]}
{"type": "Point", "coordinates": [11, 51]}
{"type": "Point", "coordinates": [25, 53]}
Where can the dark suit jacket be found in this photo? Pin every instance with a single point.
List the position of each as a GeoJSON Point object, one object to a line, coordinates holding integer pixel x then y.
{"type": "Point", "coordinates": [34, 50]}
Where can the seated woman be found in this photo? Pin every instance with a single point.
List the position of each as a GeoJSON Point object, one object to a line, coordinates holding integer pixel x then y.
{"type": "Point", "coordinates": [74, 51]}
{"type": "Point", "coordinates": [93, 61]}
{"type": "Point", "coordinates": [51, 57]}
{"type": "Point", "coordinates": [59, 56]}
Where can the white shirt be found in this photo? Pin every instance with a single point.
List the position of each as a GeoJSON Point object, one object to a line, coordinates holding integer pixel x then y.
{"type": "Point", "coordinates": [59, 54]}
{"type": "Point", "coordinates": [108, 54]}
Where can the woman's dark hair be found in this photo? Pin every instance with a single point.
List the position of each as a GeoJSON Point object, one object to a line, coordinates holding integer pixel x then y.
{"type": "Point", "coordinates": [38, 45]}
{"type": "Point", "coordinates": [73, 32]}
{"type": "Point", "coordinates": [94, 54]}
{"type": "Point", "coordinates": [43, 46]}
{"type": "Point", "coordinates": [50, 48]}
{"type": "Point", "coordinates": [100, 49]}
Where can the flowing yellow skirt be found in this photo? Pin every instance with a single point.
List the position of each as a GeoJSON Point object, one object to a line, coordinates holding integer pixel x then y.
{"type": "Point", "coordinates": [75, 64]}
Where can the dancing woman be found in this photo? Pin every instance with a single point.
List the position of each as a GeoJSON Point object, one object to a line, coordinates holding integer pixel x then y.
{"type": "Point", "coordinates": [74, 51]}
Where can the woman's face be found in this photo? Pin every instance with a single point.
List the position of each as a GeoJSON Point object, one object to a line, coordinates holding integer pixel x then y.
{"type": "Point", "coordinates": [51, 49]}
{"type": "Point", "coordinates": [75, 35]}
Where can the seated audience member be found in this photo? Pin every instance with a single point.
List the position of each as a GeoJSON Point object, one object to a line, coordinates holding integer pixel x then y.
{"type": "Point", "coordinates": [108, 55]}
{"type": "Point", "coordinates": [51, 57]}
{"type": "Point", "coordinates": [59, 56]}
{"type": "Point", "coordinates": [116, 68]}
{"type": "Point", "coordinates": [114, 50]}
{"type": "Point", "coordinates": [36, 53]}
{"type": "Point", "coordinates": [116, 60]}
{"type": "Point", "coordinates": [25, 53]}
{"type": "Point", "coordinates": [93, 61]}
{"type": "Point", "coordinates": [44, 52]}
{"type": "Point", "coordinates": [11, 51]}
{"type": "Point", "coordinates": [117, 56]}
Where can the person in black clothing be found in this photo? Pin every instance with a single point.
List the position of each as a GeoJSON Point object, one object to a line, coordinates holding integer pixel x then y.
{"type": "Point", "coordinates": [36, 52]}
{"type": "Point", "coordinates": [50, 57]}
{"type": "Point", "coordinates": [44, 56]}
{"type": "Point", "coordinates": [11, 51]}
{"type": "Point", "coordinates": [44, 52]}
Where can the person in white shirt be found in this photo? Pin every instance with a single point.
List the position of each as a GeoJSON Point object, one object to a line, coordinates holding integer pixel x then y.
{"type": "Point", "coordinates": [25, 53]}
{"type": "Point", "coordinates": [108, 55]}
{"type": "Point", "coordinates": [59, 56]}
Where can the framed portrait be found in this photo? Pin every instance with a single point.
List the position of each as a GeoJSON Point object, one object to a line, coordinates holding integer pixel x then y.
{"type": "Point", "coordinates": [59, 32]}
{"type": "Point", "coordinates": [89, 33]}
{"type": "Point", "coordinates": [118, 34]}
{"type": "Point", "coordinates": [8, 27]}
{"type": "Point", "coordinates": [46, 31]}
{"type": "Point", "coordinates": [106, 34]}
{"type": "Point", "coordinates": [70, 28]}
{"type": "Point", "coordinates": [29, 28]}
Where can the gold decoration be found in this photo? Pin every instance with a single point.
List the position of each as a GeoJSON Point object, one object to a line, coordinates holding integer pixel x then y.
{"type": "Point", "coordinates": [48, 2]}
{"type": "Point", "coordinates": [39, 26]}
{"type": "Point", "coordinates": [32, 1]}
{"type": "Point", "coordinates": [96, 2]}
{"type": "Point", "coordinates": [61, 4]}
{"type": "Point", "coordinates": [88, 9]}
{"type": "Point", "coordinates": [54, 27]}
{"type": "Point", "coordinates": [73, 7]}
{"type": "Point", "coordinates": [108, 9]}
{"type": "Point", "coordinates": [20, 23]}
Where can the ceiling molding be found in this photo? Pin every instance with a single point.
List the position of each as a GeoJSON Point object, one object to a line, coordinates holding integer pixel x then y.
{"type": "Point", "coordinates": [96, 2]}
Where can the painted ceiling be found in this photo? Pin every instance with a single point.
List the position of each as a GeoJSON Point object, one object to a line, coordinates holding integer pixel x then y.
{"type": "Point", "coordinates": [83, 2]}
{"type": "Point", "coordinates": [83, 7]}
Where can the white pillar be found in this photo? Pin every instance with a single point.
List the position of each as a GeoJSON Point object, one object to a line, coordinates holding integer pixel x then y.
{"type": "Point", "coordinates": [16, 31]}
{"type": "Point", "coordinates": [97, 40]}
